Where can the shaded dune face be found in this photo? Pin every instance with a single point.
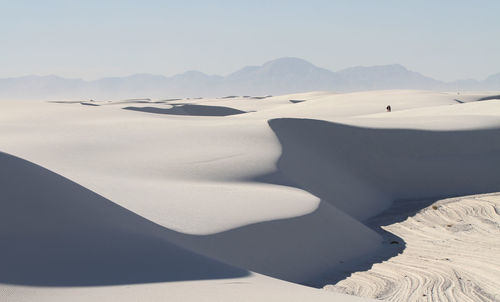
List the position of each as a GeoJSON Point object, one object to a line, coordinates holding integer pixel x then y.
{"type": "Point", "coordinates": [55, 232]}
{"type": "Point", "coordinates": [361, 170]}
{"type": "Point", "coordinates": [188, 109]}
{"type": "Point", "coordinates": [300, 249]}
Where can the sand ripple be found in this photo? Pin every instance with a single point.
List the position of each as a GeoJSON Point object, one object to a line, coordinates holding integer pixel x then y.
{"type": "Point", "coordinates": [452, 253]}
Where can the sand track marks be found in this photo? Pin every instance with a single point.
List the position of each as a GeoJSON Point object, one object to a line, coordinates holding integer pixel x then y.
{"type": "Point", "coordinates": [452, 254]}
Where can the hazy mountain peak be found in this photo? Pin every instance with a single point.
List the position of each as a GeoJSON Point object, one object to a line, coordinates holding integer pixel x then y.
{"type": "Point", "coordinates": [290, 64]}
{"type": "Point", "coordinates": [280, 65]}
{"type": "Point", "coordinates": [282, 75]}
{"type": "Point", "coordinates": [286, 61]}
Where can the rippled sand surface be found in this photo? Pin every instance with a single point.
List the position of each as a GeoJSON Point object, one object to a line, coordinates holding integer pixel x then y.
{"type": "Point", "coordinates": [452, 253]}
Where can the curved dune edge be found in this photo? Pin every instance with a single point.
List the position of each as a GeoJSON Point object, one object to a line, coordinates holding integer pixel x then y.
{"type": "Point", "coordinates": [452, 254]}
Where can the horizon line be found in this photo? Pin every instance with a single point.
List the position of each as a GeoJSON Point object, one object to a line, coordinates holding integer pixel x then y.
{"type": "Point", "coordinates": [229, 74]}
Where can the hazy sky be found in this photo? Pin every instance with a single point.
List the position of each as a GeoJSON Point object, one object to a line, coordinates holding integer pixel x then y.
{"type": "Point", "coordinates": [443, 39]}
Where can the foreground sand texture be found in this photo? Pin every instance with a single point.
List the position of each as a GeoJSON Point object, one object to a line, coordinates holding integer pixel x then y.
{"type": "Point", "coordinates": [235, 198]}
{"type": "Point", "coordinates": [452, 253]}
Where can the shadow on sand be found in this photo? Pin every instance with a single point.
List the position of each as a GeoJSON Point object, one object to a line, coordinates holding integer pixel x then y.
{"type": "Point", "coordinates": [392, 245]}
{"type": "Point", "coordinates": [55, 232]}
{"type": "Point", "coordinates": [488, 98]}
{"type": "Point", "coordinates": [382, 176]}
{"type": "Point", "coordinates": [358, 169]}
{"type": "Point", "coordinates": [188, 109]}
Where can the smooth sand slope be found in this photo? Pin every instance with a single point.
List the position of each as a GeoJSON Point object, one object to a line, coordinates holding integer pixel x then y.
{"type": "Point", "coordinates": [52, 226]}
{"type": "Point", "coordinates": [189, 199]}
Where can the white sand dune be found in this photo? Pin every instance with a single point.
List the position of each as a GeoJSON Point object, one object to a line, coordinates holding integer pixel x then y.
{"type": "Point", "coordinates": [196, 203]}
{"type": "Point", "coordinates": [51, 227]}
{"type": "Point", "coordinates": [361, 170]}
{"type": "Point", "coordinates": [452, 253]}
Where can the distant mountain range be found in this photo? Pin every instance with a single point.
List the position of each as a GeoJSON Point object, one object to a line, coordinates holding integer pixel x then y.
{"type": "Point", "coordinates": [280, 76]}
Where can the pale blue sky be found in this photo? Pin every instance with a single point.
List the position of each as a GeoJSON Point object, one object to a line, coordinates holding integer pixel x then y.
{"type": "Point", "coordinates": [443, 39]}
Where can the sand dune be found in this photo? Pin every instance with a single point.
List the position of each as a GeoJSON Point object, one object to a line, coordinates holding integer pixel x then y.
{"type": "Point", "coordinates": [151, 201]}
{"type": "Point", "coordinates": [362, 170]}
{"type": "Point", "coordinates": [57, 233]}
{"type": "Point", "coordinates": [452, 253]}
{"type": "Point", "coordinates": [273, 247]}
{"type": "Point", "coordinates": [58, 237]}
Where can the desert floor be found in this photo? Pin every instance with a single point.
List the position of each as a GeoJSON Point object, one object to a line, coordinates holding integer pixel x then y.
{"type": "Point", "coordinates": [304, 197]}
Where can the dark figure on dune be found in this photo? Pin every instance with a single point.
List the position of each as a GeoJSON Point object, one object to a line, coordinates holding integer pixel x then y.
{"type": "Point", "coordinates": [388, 108]}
